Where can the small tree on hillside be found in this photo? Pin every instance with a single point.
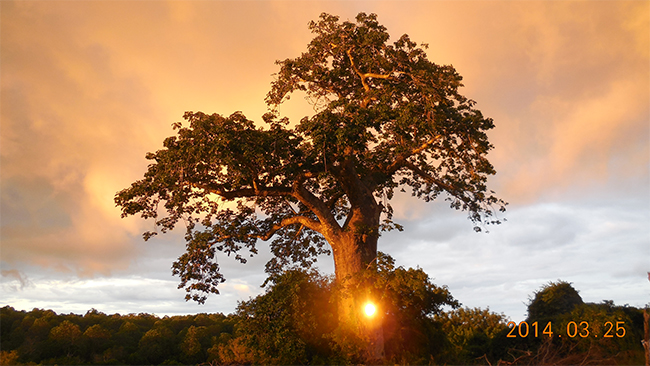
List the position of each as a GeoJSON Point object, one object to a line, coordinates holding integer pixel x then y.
{"type": "Point", "coordinates": [386, 118]}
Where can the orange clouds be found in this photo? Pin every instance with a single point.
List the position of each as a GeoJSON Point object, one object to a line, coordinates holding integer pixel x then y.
{"type": "Point", "coordinates": [89, 87]}
{"type": "Point", "coordinates": [578, 101]}
{"type": "Point", "coordinates": [67, 117]}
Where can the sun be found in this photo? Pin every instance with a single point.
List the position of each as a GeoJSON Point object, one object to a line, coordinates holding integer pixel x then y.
{"type": "Point", "coordinates": [370, 309]}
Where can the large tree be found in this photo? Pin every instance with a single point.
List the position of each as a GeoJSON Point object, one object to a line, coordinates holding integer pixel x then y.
{"type": "Point", "coordinates": [385, 118]}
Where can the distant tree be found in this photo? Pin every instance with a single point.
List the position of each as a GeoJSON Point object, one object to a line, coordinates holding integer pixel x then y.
{"type": "Point", "coordinates": [43, 337]}
{"type": "Point", "coordinates": [192, 348]}
{"type": "Point", "coordinates": [11, 332]}
{"type": "Point", "coordinates": [41, 326]}
{"type": "Point", "coordinates": [570, 331]}
{"type": "Point", "coordinates": [67, 337]}
{"type": "Point", "coordinates": [471, 332]}
{"type": "Point", "coordinates": [96, 340]}
{"type": "Point", "coordinates": [128, 336]}
{"type": "Point", "coordinates": [36, 346]}
{"type": "Point", "coordinates": [551, 303]}
{"type": "Point", "coordinates": [9, 357]}
{"type": "Point", "coordinates": [156, 345]}
{"type": "Point", "coordinates": [602, 319]}
{"type": "Point", "coordinates": [386, 118]}
{"type": "Point", "coordinates": [552, 300]}
{"type": "Point", "coordinates": [92, 317]}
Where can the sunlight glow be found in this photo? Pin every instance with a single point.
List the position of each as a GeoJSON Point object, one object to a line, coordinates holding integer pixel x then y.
{"type": "Point", "coordinates": [370, 309]}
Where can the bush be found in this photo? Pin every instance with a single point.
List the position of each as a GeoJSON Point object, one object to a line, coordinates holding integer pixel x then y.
{"type": "Point", "coordinates": [287, 324]}
{"type": "Point", "coordinates": [553, 300]}
{"type": "Point", "coordinates": [472, 334]}
{"type": "Point", "coordinates": [296, 321]}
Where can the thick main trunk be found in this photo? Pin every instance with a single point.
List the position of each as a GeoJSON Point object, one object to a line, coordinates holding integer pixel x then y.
{"type": "Point", "coordinates": [353, 254]}
{"type": "Point", "coordinates": [355, 248]}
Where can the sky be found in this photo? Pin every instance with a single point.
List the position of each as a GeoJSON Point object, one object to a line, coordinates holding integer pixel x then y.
{"type": "Point", "coordinates": [89, 87]}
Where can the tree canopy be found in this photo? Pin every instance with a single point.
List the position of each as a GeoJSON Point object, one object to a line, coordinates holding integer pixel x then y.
{"type": "Point", "coordinates": [552, 300]}
{"type": "Point", "coordinates": [385, 118]}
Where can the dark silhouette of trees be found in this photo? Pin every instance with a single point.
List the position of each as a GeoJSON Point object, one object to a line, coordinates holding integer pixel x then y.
{"type": "Point", "coordinates": [43, 337]}
{"type": "Point", "coordinates": [386, 118]}
{"type": "Point", "coordinates": [292, 323]}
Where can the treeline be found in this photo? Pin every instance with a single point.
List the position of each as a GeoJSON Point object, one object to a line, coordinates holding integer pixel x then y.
{"type": "Point", "coordinates": [43, 337]}
{"type": "Point", "coordinates": [294, 322]}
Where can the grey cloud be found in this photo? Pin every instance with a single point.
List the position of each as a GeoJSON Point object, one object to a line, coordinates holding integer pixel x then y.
{"type": "Point", "coordinates": [572, 241]}
{"type": "Point", "coordinates": [32, 202]}
{"type": "Point", "coordinates": [14, 280]}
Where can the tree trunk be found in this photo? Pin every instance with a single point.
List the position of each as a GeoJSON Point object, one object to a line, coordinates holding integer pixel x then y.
{"type": "Point", "coordinates": [355, 248]}
{"type": "Point", "coordinates": [646, 334]}
{"type": "Point", "coordinates": [353, 254]}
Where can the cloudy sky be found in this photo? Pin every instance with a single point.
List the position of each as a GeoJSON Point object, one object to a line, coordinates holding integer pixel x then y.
{"type": "Point", "coordinates": [89, 87]}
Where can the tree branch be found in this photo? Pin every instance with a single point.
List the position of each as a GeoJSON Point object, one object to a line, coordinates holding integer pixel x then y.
{"type": "Point", "coordinates": [364, 76]}
{"type": "Point", "coordinates": [382, 76]}
{"type": "Point", "coordinates": [302, 220]}
{"type": "Point", "coordinates": [401, 159]}
{"type": "Point", "coordinates": [244, 192]}
{"type": "Point", "coordinates": [298, 191]}
{"type": "Point", "coordinates": [315, 205]}
{"type": "Point", "coordinates": [429, 178]}
{"type": "Point", "coordinates": [332, 201]}
{"type": "Point", "coordinates": [366, 87]}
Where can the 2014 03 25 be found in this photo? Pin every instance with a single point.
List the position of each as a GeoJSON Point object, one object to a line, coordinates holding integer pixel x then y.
{"type": "Point", "coordinates": [573, 329]}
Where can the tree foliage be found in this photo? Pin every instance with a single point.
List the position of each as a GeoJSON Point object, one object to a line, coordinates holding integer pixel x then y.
{"type": "Point", "coordinates": [552, 300]}
{"type": "Point", "coordinates": [43, 337]}
{"type": "Point", "coordinates": [386, 118]}
{"type": "Point", "coordinates": [410, 301]}
{"type": "Point", "coordinates": [288, 325]}
{"type": "Point", "coordinates": [471, 333]}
